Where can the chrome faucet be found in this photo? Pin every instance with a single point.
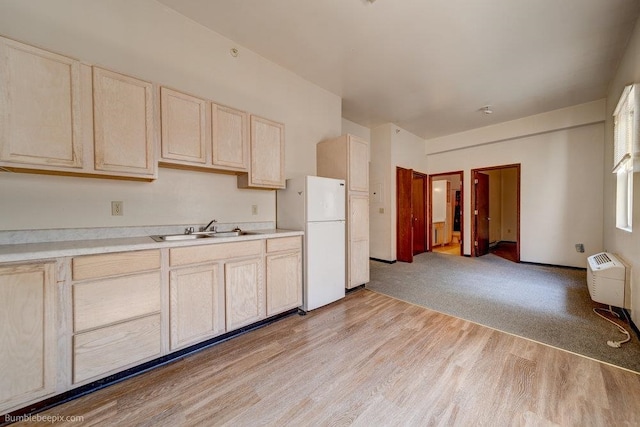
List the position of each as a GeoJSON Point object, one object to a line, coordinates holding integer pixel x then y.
{"type": "Point", "coordinates": [209, 225]}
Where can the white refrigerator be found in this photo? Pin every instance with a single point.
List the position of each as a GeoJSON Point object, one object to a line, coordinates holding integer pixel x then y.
{"type": "Point", "coordinates": [316, 205]}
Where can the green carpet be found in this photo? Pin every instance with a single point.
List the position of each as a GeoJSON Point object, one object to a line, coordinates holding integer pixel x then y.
{"type": "Point", "coordinates": [547, 304]}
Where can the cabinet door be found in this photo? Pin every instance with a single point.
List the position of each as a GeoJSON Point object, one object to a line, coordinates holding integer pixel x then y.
{"type": "Point", "coordinates": [107, 350]}
{"type": "Point", "coordinates": [267, 154]}
{"type": "Point", "coordinates": [244, 292]}
{"type": "Point", "coordinates": [27, 328]}
{"type": "Point", "coordinates": [123, 124]}
{"type": "Point", "coordinates": [284, 282]}
{"type": "Point", "coordinates": [185, 129]}
{"type": "Point", "coordinates": [358, 244]}
{"type": "Point", "coordinates": [358, 164]}
{"type": "Point", "coordinates": [230, 138]}
{"type": "Point", "coordinates": [196, 305]}
{"type": "Point", "coordinates": [39, 107]}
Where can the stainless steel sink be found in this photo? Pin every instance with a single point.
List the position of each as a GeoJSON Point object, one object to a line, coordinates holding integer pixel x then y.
{"type": "Point", "coordinates": [200, 235]}
{"type": "Point", "coordinates": [177, 237]}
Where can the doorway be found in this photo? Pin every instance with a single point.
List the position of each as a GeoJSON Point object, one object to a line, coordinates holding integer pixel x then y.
{"type": "Point", "coordinates": [495, 211]}
{"type": "Point", "coordinates": [411, 210]}
{"type": "Point", "coordinates": [445, 213]}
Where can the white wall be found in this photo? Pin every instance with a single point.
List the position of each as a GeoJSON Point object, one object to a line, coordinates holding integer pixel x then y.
{"type": "Point", "coordinates": [355, 129]}
{"type": "Point", "coordinates": [391, 147]}
{"type": "Point", "coordinates": [561, 184]}
{"type": "Point", "coordinates": [380, 224]}
{"type": "Point", "coordinates": [625, 244]}
{"type": "Point", "coordinates": [148, 40]}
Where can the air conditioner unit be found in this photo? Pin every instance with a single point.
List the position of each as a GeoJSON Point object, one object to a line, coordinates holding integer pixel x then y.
{"type": "Point", "coordinates": [608, 280]}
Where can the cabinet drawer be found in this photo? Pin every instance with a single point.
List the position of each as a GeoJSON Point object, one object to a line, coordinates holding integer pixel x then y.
{"type": "Point", "coordinates": [215, 252]}
{"type": "Point", "coordinates": [95, 266]}
{"type": "Point", "coordinates": [284, 244]}
{"type": "Point", "coordinates": [115, 347]}
{"type": "Point", "coordinates": [107, 301]}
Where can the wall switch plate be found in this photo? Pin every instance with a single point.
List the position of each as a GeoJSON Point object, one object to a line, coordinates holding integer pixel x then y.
{"type": "Point", "coordinates": [381, 210]}
{"type": "Point", "coordinates": [117, 208]}
{"type": "Point", "coordinates": [254, 209]}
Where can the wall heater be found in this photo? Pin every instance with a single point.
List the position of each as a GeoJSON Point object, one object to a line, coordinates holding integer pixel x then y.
{"type": "Point", "coordinates": [608, 280]}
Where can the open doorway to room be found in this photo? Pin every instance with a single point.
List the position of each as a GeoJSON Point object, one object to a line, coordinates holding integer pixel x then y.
{"type": "Point", "coordinates": [411, 218]}
{"type": "Point", "coordinates": [495, 211]}
{"type": "Point", "coordinates": [445, 213]}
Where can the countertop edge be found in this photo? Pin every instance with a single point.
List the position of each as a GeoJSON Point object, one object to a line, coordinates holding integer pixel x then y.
{"type": "Point", "coordinates": [52, 250]}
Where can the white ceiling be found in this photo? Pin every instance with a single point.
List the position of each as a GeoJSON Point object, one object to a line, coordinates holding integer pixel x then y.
{"type": "Point", "coordinates": [429, 65]}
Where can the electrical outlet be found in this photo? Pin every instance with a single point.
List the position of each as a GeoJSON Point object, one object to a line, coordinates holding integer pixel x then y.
{"type": "Point", "coordinates": [381, 210]}
{"type": "Point", "coordinates": [579, 247]}
{"type": "Point", "coordinates": [254, 209]}
{"type": "Point", "coordinates": [117, 208]}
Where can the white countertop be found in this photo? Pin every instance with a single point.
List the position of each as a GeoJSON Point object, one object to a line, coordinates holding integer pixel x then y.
{"type": "Point", "coordinates": [48, 250]}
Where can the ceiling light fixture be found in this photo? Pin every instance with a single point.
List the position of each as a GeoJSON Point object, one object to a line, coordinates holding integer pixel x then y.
{"type": "Point", "coordinates": [487, 109]}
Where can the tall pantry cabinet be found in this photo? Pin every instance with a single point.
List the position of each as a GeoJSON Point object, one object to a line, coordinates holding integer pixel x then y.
{"type": "Point", "coordinates": [347, 157]}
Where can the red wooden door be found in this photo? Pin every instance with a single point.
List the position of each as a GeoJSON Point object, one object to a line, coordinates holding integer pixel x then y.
{"type": "Point", "coordinates": [419, 213]}
{"type": "Point", "coordinates": [404, 229]}
{"type": "Point", "coordinates": [481, 214]}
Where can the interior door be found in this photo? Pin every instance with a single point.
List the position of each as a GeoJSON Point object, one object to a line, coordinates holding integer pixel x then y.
{"type": "Point", "coordinates": [481, 213]}
{"type": "Point", "coordinates": [419, 187]}
{"type": "Point", "coordinates": [404, 226]}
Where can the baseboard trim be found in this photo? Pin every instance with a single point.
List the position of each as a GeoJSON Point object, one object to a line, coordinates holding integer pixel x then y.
{"type": "Point", "coordinates": [75, 393]}
{"type": "Point", "coordinates": [357, 288]}
{"type": "Point", "coordinates": [553, 265]}
{"type": "Point", "coordinates": [383, 260]}
{"type": "Point", "coordinates": [631, 323]}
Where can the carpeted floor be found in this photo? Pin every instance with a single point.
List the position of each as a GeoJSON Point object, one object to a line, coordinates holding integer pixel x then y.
{"type": "Point", "coordinates": [547, 304]}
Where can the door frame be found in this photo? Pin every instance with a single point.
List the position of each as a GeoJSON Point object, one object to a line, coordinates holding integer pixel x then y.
{"type": "Point", "coordinates": [404, 229]}
{"type": "Point", "coordinates": [425, 197]}
{"type": "Point", "coordinates": [430, 208]}
{"type": "Point", "coordinates": [517, 166]}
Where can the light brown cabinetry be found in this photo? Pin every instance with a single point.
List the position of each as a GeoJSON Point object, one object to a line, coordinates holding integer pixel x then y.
{"type": "Point", "coordinates": [28, 331]}
{"type": "Point", "coordinates": [196, 308]}
{"type": "Point", "coordinates": [185, 128]}
{"type": "Point", "coordinates": [346, 157]}
{"type": "Point", "coordinates": [65, 117]}
{"type": "Point", "coordinates": [229, 139]}
{"type": "Point", "coordinates": [215, 288]}
{"type": "Point", "coordinates": [284, 274]}
{"type": "Point", "coordinates": [199, 134]}
{"type": "Point", "coordinates": [116, 312]}
{"type": "Point", "coordinates": [40, 108]}
{"type": "Point", "coordinates": [123, 124]}
{"type": "Point", "coordinates": [267, 156]}
{"type": "Point", "coordinates": [245, 292]}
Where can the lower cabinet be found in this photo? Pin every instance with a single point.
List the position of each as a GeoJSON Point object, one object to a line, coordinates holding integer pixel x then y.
{"type": "Point", "coordinates": [284, 274]}
{"type": "Point", "coordinates": [110, 312]}
{"type": "Point", "coordinates": [116, 312]}
{"type": "Point", "coordinates": [244, 286]}
{"type": "Point", "coordinates": [196, 304]}
{"type": "Point", "coordinates": [27, 328]}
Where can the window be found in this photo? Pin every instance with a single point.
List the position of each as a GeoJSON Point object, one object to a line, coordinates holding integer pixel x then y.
{"type": "Point", "coordinates": [626, 141]}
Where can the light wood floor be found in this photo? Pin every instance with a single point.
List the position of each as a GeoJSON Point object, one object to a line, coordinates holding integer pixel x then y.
{"type": "Point", "coordinates": [371, 360]}
{"type": "Point", "coordinates": [450, 248]}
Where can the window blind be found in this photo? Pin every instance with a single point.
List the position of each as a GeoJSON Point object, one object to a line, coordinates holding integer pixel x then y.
{"type": "Point", "coordinates": [625, 127]}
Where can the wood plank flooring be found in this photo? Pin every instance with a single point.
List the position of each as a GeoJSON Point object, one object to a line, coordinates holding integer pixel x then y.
{"type": "Point", "coordinates": [370, 360]}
